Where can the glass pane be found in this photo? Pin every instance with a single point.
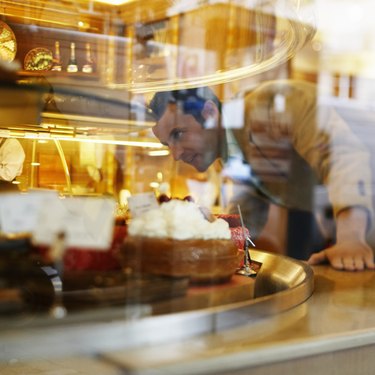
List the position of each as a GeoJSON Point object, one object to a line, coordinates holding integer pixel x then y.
{"type": "Point", "coordinates": [158, 157]}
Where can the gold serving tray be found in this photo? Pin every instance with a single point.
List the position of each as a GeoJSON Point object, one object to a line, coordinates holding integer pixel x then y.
{"type": "Point", "coordinates": [281, 284]}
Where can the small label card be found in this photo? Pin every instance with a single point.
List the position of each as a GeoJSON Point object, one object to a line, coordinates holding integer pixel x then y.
{"type": "Point", "coordinates": [141, 203]}
{"type": "Point", "coordinates": [86, 221]}
{"type": "Point", "coordinates": [19, 213]}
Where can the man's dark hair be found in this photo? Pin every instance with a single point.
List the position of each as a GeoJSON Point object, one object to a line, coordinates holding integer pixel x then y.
{"type": "Point", "coordinates": [190, 100]}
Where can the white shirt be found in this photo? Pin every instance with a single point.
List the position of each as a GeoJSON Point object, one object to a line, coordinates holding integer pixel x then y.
{"type": "Point", "coordinates": [12, 157]}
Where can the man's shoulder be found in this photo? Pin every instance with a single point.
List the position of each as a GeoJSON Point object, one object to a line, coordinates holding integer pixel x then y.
{"type": "Point", "coordinates": [296, 93]}
{"type": "Point", "coordinates": [284, 85]}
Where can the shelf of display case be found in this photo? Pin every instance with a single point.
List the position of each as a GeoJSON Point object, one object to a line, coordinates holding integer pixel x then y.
{"type": "Point", "coordinates": [63, 76]}
{"type": "Point", "coordinates": [67, 111]}
{"type": "Point", "coordinates": [230, 42]}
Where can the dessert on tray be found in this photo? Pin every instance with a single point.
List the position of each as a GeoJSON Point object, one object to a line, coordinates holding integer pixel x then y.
{"type": "Point", "coordinates": [177, 240]}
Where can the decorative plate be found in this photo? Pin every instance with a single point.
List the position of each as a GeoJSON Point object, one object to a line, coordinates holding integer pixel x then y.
{"type": "Point", "coordinates": [8, 44]}
{"type": "Point", "coordinates": [38, 59]}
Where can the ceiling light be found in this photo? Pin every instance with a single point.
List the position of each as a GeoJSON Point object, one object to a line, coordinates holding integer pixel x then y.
{"type": "Point", "coordinates": [159, 153]}
{"type": "Point", "coordinates": [114, 2]}
{"type": "Point", "coordinates": [66, 137]}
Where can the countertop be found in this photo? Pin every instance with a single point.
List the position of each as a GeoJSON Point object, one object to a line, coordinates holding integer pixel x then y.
{"type": "Point", "coordinates": [340, 315]}
{"type": "Point", "coordinates": [335, 327]}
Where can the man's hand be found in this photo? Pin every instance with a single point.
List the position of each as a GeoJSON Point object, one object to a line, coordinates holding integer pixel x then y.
{"type": "Point", "coordinates": [351, 251]}
{"type": "Point", "coordinates": [351, 255]}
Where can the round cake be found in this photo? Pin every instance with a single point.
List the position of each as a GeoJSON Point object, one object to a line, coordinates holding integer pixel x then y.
{"type": "Point", "coordinates": [176, 240]}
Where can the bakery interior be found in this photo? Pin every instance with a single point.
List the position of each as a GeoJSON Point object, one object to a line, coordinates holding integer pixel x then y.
{"type": "Point", "coordinates": [76, 80]}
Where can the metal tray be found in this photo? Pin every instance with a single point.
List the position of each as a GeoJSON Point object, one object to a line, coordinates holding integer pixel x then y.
{"type": "Point", "coordinates": [281, 284]}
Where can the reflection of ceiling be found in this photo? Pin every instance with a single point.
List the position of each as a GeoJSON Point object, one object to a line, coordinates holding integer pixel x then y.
{"type": "Point", "coordinates": [205, 42]}
{"type": "Point", "coordinates": [345, 39]}
{"type": "Point", "coordinates": [346, 25]}
{"type": "Point", "coordinates": [214, 42]}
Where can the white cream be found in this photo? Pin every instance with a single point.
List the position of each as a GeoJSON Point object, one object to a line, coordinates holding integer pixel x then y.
{"type": "Point", "coordinates": [180, 220]}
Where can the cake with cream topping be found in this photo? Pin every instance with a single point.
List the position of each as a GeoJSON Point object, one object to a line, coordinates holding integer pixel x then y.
{"type": "Point", "coordinates": [176, 240]}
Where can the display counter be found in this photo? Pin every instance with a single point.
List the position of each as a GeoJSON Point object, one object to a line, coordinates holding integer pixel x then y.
{"type": "Point", "coordinates": [333, 328]}
{"type": "Point", "coordinates": [76, 94]}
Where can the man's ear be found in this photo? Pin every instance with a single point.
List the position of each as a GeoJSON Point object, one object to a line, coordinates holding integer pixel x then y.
{"type": "Point", "coordinates": [210, 113]}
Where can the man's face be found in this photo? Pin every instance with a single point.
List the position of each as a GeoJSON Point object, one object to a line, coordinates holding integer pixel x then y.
{"type": "Point", "coordinates": [186, 138]}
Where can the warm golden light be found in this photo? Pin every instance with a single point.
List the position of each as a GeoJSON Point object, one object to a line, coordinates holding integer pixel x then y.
{"type": "Point", "coordinates": [133, 143]}
{"type": "Point", "coordinates": [114, 2]}
{"type": "Point", "coordinates": [158, 153]}
{"type": "Point", "coordinates": [140, 143]}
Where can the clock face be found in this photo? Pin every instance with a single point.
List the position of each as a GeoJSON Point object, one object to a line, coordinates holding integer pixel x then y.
{"type": "Point", "coordinates": [8, 44]}
{"type": "Point", "coordinates": [38, 59]}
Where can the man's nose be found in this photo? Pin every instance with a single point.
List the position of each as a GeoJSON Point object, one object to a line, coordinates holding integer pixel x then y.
{"type": "Point", "coordinates": [176, 151]}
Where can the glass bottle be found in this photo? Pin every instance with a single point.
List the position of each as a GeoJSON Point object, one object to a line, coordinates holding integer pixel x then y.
{"type": "Point", "coordinates": [72, 64]}
{"type": "Point", "coordinates": [57, 65]}
{"type": "Point", "coordinates": [88, 66]}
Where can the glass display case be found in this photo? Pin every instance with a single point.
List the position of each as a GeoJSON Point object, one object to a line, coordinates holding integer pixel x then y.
{"type": "Point", "coordinates": [81, 82]}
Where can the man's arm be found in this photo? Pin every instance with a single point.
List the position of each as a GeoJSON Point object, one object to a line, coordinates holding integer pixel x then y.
{"type": "Point", "coordinates": [342, 163]}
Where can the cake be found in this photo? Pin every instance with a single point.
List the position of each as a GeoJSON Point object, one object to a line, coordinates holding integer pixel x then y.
{"type": "Point", "coordinates": [232, 219]}
{"type": "Point", "coordinates": [176, 240]}
{"type": "Point", "coordinates": [238, 233]}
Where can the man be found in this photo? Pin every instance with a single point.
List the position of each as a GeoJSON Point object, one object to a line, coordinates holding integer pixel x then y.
{"type": "Point", "coordinates": [311, 144]}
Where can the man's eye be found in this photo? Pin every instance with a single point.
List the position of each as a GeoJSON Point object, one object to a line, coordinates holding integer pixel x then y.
{"type": "Point", "coordinates": [176, 135]}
